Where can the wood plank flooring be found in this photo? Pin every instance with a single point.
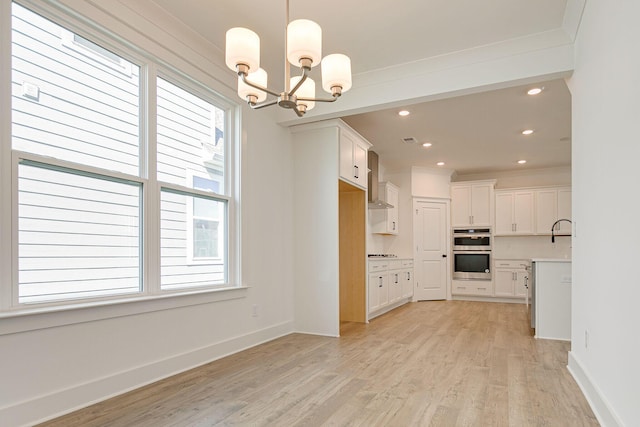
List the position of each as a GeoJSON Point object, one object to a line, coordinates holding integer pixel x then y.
{"type": "Point", "coordinates": [441, 363]}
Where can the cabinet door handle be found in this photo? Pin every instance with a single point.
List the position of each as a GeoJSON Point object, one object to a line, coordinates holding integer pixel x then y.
{"type": "Point", "coordinates": [355, 172]}
{"type": "Point", "coordinates": [470, 221]}
{"type": "Point", "coordinates": [408, 275]}
{"type": "Point", "coordinates": [396, 280]}
{"type": "Point", "coordinates": [394, 226]}
{"type": "Point", "coordinates": [380, 285]}
{"type": "Point", "coordinates": [513, 276]}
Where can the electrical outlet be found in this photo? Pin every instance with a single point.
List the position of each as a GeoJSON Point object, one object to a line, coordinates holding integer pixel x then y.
{"type": "Point", "coordinates": [254, 310]}
{"type": "Point", "coordinates": [586, 339]}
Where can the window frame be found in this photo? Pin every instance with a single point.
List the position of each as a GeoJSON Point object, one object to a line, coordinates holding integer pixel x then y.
{"type": "Point", "coordinates": [151, 296]}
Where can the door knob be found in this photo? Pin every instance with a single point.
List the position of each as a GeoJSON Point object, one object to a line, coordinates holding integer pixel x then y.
{"type": "Point", "coordinates": [444, 255]}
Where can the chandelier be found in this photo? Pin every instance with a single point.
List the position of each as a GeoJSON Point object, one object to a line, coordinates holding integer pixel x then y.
{"type": "Point", "coordinates": [303, 49]}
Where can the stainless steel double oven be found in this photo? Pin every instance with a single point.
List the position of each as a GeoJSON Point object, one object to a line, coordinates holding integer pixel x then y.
{"type": "Point", "coordinates": [471, 253]}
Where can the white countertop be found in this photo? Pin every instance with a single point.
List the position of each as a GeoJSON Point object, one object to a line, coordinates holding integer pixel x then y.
{"type": "Point", "coordinates": [550, 259]}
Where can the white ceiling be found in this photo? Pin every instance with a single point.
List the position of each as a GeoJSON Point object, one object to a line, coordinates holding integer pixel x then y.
{"type": "Point", "coordinates": [472, 133]}
{"type": "Point", "coordinates": [476, 133]}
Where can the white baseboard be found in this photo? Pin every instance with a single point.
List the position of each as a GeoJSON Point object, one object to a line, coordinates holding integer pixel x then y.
{"type": "Point", "coordinates": [64, 401]}
{"type": "Point", "coordinates": [389, 307]}
{"type": "Point", "coordinates": [599, 404]}
{"type": "Point", "coordinates": [487, 299]}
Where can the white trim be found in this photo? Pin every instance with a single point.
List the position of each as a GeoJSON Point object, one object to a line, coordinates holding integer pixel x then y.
{"type": "Point", "coordinates": [6, 257]}
{"type": "Point", "coordinates": [601, 407]}
{"type": "Point", "coordinates": [488, 299]}
{"type": "Point", "coordinates": [372, 315]}
{"type": "Point", "coordinates": [47, 407]}
{"type": "Point", "coordinates": [43, 317]}
{"type": "Point", "coordinates": [148, 170]}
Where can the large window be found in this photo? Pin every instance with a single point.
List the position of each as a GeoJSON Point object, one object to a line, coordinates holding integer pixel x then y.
{"type": "Point", "coordinates": [91, 210]}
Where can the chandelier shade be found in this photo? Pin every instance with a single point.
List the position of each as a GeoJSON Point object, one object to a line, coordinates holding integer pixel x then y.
{"type": "Point", "coordinates": [303, 50]}
{"type": "Point", "coordinates": [336, 71]}
{"type": "Point", "coordinates": [305, 93]}
{"type": "Point", "coordinates": [304, 40]}
{"type": "Point", "coordinates": [244, 90]}
{"type": "Point", "coordinates": [242, 47]}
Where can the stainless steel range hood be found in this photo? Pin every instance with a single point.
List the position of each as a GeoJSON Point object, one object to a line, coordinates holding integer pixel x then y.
{"type": "Point", "coordinates": [374, 200]}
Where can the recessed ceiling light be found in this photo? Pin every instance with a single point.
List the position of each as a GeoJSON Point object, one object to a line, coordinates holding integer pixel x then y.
{"type": "Point", "coordinates": [527, 132]}
{"type": "Point", "coordinates": [440, 163]}
{"type": "Point", "coordinates": [522, 162]}
{"type": "Point", "coordinates": [427, 144]}
{"type": "Point", "coordinates": [534, 91]}
{"type": "Point", "coordinates": [403, 113]}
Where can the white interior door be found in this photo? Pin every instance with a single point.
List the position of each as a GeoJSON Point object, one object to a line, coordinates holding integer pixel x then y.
{"type": "Point", "coordinates": [432, 248]}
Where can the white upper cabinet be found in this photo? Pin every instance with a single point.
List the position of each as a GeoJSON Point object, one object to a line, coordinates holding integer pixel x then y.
{"type": "Point", "coordinates": [385, 221]}
{"type": "Point", "coordinates": [553, 204]}
{"type": "Point", "coordinates": [472, 203]}
{"type": "Point", "coordinates": [353, 158]}
{"type": "Point", "coordinates": [514, 212]}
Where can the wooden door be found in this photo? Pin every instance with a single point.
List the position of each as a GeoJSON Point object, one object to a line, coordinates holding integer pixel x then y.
{"type": "Point", "coordinates": [432, 248]}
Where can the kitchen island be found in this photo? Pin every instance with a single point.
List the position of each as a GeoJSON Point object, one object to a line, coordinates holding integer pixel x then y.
{"type": "Point", "coordinates": [551, 299]}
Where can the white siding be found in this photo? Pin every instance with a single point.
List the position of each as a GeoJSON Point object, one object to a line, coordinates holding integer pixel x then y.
{"type": "Point", "coordinates": [86, 112]}
{"type": "Point", "coordinates": [78, 235]}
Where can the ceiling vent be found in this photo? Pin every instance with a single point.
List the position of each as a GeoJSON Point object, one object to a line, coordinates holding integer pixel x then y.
{"type": "Point", "coordinates": [409, 140]}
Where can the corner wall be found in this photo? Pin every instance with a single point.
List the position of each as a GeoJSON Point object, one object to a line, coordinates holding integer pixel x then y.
{"type": "Point", "coordinates": [606, 205]}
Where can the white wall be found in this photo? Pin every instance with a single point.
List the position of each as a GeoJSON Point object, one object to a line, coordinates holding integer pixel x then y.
{"type": "Point", "coordinates": [427, 182]}
{"type": "Point", "coordinates": [316, 225]}
{"type": "Point", "coordinates": [49, 371]}
{"type": "Point", "coordinates": [606, 205]}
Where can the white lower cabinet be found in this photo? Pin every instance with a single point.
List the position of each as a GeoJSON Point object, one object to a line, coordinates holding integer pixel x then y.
{"type": "Point", "coordinates": [390, 284]}
{"type": "Point", "coordinates": [406, 275]}
{"type": "Point", "coordinates": [480, 288]}
{"type": "Point", "coordinates": [511, 278]}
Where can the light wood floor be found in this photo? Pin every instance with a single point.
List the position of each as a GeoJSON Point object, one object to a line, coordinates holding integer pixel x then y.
{"type": "Point", "coordinates": [444, 363]}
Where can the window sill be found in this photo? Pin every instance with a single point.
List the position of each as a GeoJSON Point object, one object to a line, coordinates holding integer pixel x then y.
{"type": "Point", "coordinates": [29, 319]}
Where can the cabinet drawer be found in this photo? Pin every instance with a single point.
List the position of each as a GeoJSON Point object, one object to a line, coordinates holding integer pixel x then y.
{"type": "Point", "coordinates": [395, 264]}
{"type": "Point", "coordinates": [472, 288]}
{"type": "Point", "coordinates": [512, 263]}
{"type": "Point", "coordinates": [375, 266]}
{"type": "Point", "coordinates": [407, 263]}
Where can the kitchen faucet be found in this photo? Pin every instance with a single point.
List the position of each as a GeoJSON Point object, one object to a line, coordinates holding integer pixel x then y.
{"type": "Point", "coordinates": [553, 237]}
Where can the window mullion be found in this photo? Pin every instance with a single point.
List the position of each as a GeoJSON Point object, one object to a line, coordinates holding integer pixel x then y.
{"type": "Point", "coordinates": [148, 159]}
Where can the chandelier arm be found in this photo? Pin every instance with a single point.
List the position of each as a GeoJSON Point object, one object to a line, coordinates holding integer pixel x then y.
{"type": "Point", "coordinates": [303, 77]}
{"type": "Point", "coordinates": [334, 99]}
{"type": "Point", "coordinates": [298, 112]}
{"type": "Point", "coordinates": [264, 104]}
{"type": "Point", "coordinates": [243, 76]}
